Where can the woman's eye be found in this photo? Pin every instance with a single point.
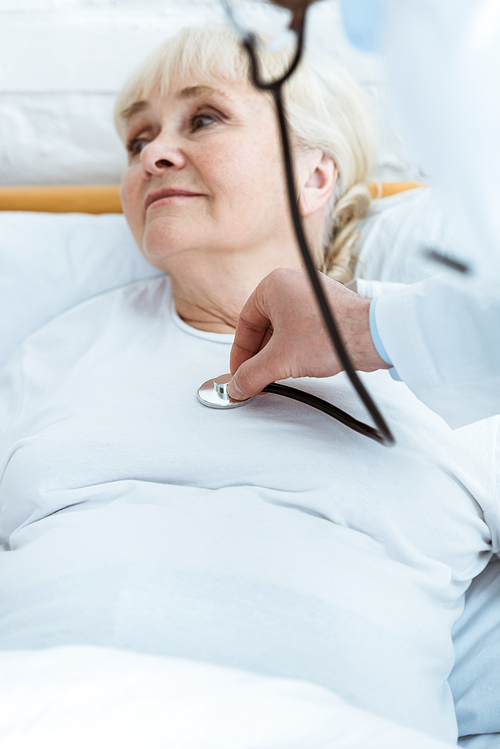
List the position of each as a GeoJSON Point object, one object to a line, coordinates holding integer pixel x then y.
{"type": "Point", "coordinates": [202, 120]}
{"type": "Point", "coordinates": [135, 146]}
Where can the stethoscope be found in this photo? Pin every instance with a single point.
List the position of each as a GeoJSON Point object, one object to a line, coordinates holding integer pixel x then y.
{"type": "Point", "coordinates": [213, 393]}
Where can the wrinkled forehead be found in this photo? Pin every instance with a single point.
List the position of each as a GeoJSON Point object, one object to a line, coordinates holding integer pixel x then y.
{"type": "Point", "coordinates": [182, 90]}
{"type": "Point", "coordinates": [235, 94]}
{"type": "Point", "coordinates": [183, 85]}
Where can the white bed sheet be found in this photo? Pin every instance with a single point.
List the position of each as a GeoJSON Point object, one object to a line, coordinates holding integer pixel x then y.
{"type": "Point", "coordinates": [83, 697]}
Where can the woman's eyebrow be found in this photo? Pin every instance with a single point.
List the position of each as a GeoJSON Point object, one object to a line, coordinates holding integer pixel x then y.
{"type": "Point", "coordinates": [192, 91]}
{"type": "Point", "coordinates": [135, 108]}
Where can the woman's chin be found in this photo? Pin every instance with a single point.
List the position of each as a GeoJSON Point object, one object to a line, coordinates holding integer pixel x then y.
{"type": "Point", "coordinates": [162, 242]}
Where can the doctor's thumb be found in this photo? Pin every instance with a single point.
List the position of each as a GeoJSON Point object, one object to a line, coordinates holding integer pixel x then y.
{"type": "Point", "coordinates": [251, 377]}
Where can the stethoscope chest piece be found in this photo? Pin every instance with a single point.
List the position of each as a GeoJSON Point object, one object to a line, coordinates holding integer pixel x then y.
{"type": "Point", "coordinates": [213, 393]}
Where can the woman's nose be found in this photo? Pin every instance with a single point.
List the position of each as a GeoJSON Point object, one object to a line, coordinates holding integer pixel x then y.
{"type": "Point", "coordinates": [160, 155]}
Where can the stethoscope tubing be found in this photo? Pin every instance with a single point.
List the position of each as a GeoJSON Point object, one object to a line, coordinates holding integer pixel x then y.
{"type": "Point", "coordinates": [381, 433]}
{"type": "Point", "coordinates": [321, 405]}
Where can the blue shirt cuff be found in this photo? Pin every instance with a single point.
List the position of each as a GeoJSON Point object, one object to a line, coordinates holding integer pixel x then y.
{"type": "Point", "coordinates": [377, 342]}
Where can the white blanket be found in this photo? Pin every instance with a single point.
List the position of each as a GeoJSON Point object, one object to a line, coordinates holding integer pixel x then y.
{"type": "Point", "coordinates": [269, 538]}
{"type": "Point", "coordinates": [82, 697]}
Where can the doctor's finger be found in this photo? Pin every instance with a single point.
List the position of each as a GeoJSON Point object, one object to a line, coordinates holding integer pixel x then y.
{"type": "Point", "coordinates": [254, 374]}
{"type": "Point", "coordinates": [253, 331]}
{"type": "Point", "coordinates": [243, 350]}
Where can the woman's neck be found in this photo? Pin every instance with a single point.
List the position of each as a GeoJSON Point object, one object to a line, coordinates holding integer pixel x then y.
{"type": "Point", "coordinates": [213, 310]}
{"type": "Point", "coordinates": [210, 292]}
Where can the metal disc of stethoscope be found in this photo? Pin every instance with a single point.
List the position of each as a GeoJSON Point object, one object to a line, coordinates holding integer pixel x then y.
{"type": "Point", "coordinates": [213, 393]}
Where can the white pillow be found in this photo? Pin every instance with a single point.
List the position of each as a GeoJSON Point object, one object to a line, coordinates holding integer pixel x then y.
{"type": "Point", "coordinates": [396, 234]}
{"type": "Point", "coordinates": [51, 261]}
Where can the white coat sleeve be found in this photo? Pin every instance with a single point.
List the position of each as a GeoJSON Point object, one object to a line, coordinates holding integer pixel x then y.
{"type": "Point", "coordinates": [443, 61]}
{"type": "Point", "coordinates": [445, 345]}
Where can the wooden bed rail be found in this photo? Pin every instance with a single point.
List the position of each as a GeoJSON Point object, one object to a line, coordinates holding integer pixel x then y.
{"type": "Point", "coordinates": [106, 198]}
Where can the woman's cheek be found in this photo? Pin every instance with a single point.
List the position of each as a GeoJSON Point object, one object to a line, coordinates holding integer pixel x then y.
{"type": "Point", "coordinates": [125, 193]}
{"type": "Point", "coordinates": [132, 207]}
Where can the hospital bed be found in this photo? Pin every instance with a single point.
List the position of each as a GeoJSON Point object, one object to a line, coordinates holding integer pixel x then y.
{"type": "Point", "coordinates": [83, 696]}
{"type": "Point", "coordinates": [106, 198]}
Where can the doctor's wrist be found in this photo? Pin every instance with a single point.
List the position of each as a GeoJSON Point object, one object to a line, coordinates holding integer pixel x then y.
{"type": "Point", "coordinates": [363, 350]}
{"type": "Point", "coordinates": [353, 318]}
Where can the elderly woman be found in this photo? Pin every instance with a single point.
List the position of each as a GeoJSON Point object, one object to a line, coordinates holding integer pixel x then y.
{"type": "Point", "coordinates": [268, 537]}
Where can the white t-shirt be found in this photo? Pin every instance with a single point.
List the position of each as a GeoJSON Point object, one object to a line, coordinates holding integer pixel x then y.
{"type": "Point", "coordinates": [268, 537]}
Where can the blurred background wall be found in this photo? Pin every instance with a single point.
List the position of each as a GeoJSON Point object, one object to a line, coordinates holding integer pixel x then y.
{"type": "Point", "coordinates": [62, 62]}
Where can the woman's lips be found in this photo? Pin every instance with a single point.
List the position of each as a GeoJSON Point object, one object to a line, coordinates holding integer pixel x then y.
{"type": "Point", "coordinates": [161, 197]}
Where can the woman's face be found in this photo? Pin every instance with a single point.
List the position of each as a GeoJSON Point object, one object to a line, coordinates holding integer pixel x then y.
{"type": "Point", "coordinates": [204, 173]}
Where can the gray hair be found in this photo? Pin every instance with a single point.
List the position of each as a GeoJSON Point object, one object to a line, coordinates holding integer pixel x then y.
{"type": "Point", "coordinates": [327, 111]}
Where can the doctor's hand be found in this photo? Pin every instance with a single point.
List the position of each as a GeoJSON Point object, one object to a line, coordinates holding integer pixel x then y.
{"type": "Point", "coordinates": [281, 333]}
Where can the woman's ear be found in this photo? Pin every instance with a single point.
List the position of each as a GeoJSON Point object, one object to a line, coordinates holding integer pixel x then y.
{"type": "Point", "coordinates": [318, 174]}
